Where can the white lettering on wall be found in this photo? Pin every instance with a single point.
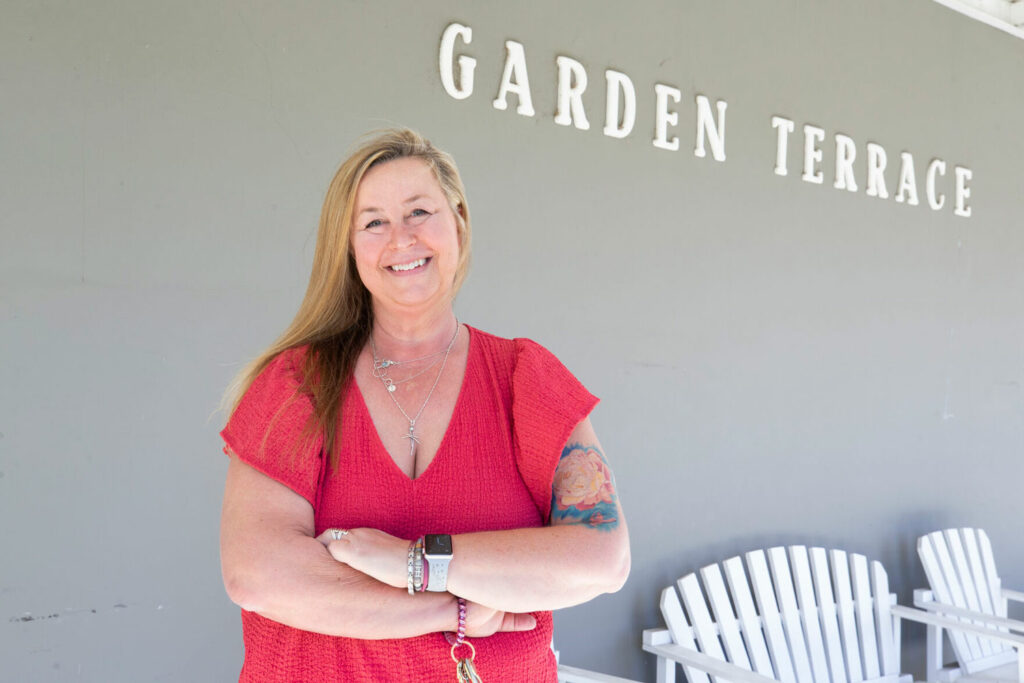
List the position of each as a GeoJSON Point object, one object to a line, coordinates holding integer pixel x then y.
{"type": "Point", "coordinates": [515, 80]}
{"type": "Point", "coordinates": [846, 153]}
{"type": "Point", "coordinates": [876, 171]}
{"type": "Point", "coordinates": [663, 118]}
{"type": "Point", "coordinates": [618, 82]}
{"type": "Point", "coordinates": [962, 192]}
{"type": "Point", "coordinates": [572, 81]}
{"type": "Point", "coordinates": [934, 200]}
{"type": "Point", "coordinates": [706, 125]}
{"type": "Point", "coordinates": [812, 154]}
{"type": "Point", "coordinates": [466, 64]}
{"type": "Point", "coordinates": [908, 181]}
{"type": "Point", "coordinates": [852, 162]}
{"type": "Point", "coordinates": [784, 127]}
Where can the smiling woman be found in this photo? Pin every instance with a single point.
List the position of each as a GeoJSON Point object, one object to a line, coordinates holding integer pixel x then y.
{"type": "Point", "coordinates": [401, 482]}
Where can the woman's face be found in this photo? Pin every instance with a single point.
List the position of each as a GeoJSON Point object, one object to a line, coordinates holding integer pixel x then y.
{"type": "Point", "coordinates": [404, 236]}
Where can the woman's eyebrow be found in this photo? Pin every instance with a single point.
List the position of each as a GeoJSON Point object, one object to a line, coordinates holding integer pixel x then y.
{"type": "Point", "coordinates": [410, 200]}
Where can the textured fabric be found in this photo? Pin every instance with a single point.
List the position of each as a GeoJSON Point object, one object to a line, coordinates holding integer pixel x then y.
{"type": "Point", "coordinates": [493, 470]}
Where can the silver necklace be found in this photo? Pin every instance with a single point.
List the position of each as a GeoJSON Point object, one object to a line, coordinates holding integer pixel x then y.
{"type": "Point", "coordinates": [391, 384]}
{"type": "Point", "coordinates": [380, 368]}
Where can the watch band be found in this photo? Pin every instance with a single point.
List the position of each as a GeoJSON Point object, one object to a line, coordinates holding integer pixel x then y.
{"type": "Point", "coordinates": [437, 553]}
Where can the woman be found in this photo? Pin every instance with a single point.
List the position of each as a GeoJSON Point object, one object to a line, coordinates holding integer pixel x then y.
{"type": "Point", "coordinates": [386, 458]}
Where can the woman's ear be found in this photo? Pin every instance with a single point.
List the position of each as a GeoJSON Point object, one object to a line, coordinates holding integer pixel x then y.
{"type": "Point", "coordinates": [461, 211]}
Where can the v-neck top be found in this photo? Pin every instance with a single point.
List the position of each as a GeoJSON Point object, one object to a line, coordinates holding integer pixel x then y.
{"type": "Point", "coordinates": [492, 471]}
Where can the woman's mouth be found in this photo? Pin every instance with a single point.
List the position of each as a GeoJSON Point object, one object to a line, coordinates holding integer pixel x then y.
{"type": "Point", "coordinates": [402, 267]}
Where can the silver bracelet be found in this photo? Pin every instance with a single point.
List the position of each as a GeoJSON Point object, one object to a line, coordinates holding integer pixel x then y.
{"type": "Point", "coordinates": [417, 567]}
{"type": "Point", "coordinates": [412, 557]}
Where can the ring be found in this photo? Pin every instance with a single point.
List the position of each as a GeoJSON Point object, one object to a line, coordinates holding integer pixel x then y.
{"type": "Point", "coordinates": [338, 533]}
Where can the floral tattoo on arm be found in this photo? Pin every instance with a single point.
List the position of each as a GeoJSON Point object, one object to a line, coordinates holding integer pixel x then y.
{"type": "Point", "coordinates": [584, 490]}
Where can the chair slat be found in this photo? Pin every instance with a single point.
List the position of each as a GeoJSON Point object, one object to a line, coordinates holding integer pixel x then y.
{"type": "Point", "coordinates": [700, 618]}
{"type": "Point", "coordinates": [682, 634]}
{"type": "Point", "coordinates": [800, 564]}
{"type": "Point", "coordinates": [749, 620]}
{"type": "Point", "coordinates": [978, 571]}
{"type": "Point", "coordinates": [937, 580]}
{"type": "Point", "coordinates": [986, 584]}
{"type": "Point", "coordinates": [728, 627]}
{"type": "Point", "coordinates": [829, 614]}
{"type": "Point", "coordinates": [847, 621]}
{"type": "Point", "coordinates": [989, 563]}
{"type": "Point", "coordinates": [888, 642]}
{"type": "Point", "coordinates": [966, 581]}
{"type": "Point", "coordinates": [791, 621]}
{"type": "Point", "coordinates": [956, 595]}
{"type": "Point", "coordinates": [864, 611]}
{"type": "Point", "coordinates": [765, 596]}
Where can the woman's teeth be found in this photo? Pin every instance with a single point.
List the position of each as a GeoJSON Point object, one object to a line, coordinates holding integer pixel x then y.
{"type": "Point", "coordinates": [409, 266]}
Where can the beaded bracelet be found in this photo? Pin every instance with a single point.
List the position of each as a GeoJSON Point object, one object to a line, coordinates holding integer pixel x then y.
{"type": "Point", "coordinates": [426, 575]}
{"type": "Point", "coordinates": [464, 669]}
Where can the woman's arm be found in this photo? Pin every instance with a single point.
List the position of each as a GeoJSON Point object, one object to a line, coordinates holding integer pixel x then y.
{"type": "Point", "coordinates": [272, 565]}
{"type": "Point", "coordinates": [582, 554]}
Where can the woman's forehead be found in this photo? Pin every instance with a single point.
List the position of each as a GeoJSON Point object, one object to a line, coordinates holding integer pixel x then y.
{"type": "Point", "coordinates": [399, 180]}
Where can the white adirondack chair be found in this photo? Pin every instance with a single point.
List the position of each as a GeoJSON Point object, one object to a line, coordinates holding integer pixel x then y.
{"type": "Point", "coordinates": [796, 615]}
{"type": "Point", "coordinates": [966, 588]}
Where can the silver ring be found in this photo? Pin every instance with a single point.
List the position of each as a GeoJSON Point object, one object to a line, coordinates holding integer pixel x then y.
{"type": "Point", "coordinates": [338, 533]}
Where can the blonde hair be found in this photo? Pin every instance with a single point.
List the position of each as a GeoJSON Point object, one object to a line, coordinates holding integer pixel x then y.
{"type": "Point", "coordinates": [335, 317]}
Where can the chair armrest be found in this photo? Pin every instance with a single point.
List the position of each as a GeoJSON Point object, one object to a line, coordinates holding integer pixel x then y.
{"type": "Point", "coordinates": [988, 620]}
{"type": "Point", "coordinates": [712, 665]}
{"type": "Point", "coordinates": [933, 619]}
{"type": "Point", "coordinates": [1016, 596]}
{"type": "Point", "coordinates": [570, 674]}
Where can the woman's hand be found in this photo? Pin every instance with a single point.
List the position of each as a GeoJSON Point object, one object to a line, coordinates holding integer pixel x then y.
{"type": "Point", "coordinates": [372, 552]}
{"type": "Point", "coordinates": [482, 621]}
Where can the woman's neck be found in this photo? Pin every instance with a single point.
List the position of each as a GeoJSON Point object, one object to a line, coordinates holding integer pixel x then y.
{"type": "Point", "coordinates": [400, 338]}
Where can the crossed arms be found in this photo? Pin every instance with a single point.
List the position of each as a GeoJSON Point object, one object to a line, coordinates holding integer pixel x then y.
{"type": "Point", "coordinates": [355, 586]}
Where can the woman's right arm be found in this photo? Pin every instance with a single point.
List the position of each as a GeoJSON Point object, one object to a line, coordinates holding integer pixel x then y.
{"type": "Point", "coordinates": [273, 565]}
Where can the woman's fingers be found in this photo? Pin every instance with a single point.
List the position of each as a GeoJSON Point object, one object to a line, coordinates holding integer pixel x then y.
{"type": "Point", "coordinates": [518, 622]}
{"type": "Point", "coordinates": [483, 621]}
{"type": "Point", "coordinates": [332, 535]}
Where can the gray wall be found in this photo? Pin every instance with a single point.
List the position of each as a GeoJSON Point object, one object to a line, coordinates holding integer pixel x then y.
{"type": "Point", "coordinates": [779, 361]}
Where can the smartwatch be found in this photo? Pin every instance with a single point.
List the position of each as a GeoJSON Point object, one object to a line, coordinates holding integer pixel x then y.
{"type": "Point", "coordinates": [437, 551]}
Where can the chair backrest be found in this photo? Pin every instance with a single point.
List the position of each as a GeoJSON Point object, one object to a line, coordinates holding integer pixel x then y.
{"type": "Point", "coordinates": [962, 572]}
{"type": "Point", "coordinates": [795, 614]}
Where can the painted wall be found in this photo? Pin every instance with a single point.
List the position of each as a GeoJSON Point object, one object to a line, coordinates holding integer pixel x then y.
{"type": "Point", "coordinates": [779, 361]}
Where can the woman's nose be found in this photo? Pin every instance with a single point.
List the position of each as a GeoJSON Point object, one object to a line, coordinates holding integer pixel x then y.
{"type": "Point", "coordinates": [402, 235]}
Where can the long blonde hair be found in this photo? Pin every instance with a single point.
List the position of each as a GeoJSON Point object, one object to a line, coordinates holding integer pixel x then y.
{"type": "Point", "coordinates": [336, 317]}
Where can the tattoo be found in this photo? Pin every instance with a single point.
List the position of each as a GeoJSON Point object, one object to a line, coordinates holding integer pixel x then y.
{"type": "Point", "coordinates": [584, 490]}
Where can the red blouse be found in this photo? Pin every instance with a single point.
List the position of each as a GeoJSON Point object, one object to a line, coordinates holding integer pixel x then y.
{"type": "Point", "coordinates": [493, 470]}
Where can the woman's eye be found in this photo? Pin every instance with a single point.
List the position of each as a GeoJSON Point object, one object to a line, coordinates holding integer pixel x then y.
{"type": "Point", "coordinates": [374, 224]}
{"type": "Point", "coordinates": [418, 215]}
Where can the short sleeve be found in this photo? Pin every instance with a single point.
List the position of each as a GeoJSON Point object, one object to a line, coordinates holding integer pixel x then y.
{"type": "Point", "coordinates": [547, 404]}
{"type": "Point", "coordinates": [267, 429]}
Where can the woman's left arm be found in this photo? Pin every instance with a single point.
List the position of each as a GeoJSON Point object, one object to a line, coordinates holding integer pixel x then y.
{"type": "Point", "coordinates": [582, 554]}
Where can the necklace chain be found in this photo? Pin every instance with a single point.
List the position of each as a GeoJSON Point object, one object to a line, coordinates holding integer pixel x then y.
{"type": "Point", "coordinates": [380, 371]}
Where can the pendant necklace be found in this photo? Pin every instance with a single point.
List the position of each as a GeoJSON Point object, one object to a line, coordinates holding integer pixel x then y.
{"type": "Point", "coordinates": [380, 371]}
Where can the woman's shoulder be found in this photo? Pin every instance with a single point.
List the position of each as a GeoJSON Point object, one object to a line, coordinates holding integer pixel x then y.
{"type": "Point", "coordinates": [288, 362]}
{"type": "Point", "coordinates": [515, 347]}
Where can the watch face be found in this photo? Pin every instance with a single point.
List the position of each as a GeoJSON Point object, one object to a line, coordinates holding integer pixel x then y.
{"type": "Point", "coordinates": [437, 544]}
